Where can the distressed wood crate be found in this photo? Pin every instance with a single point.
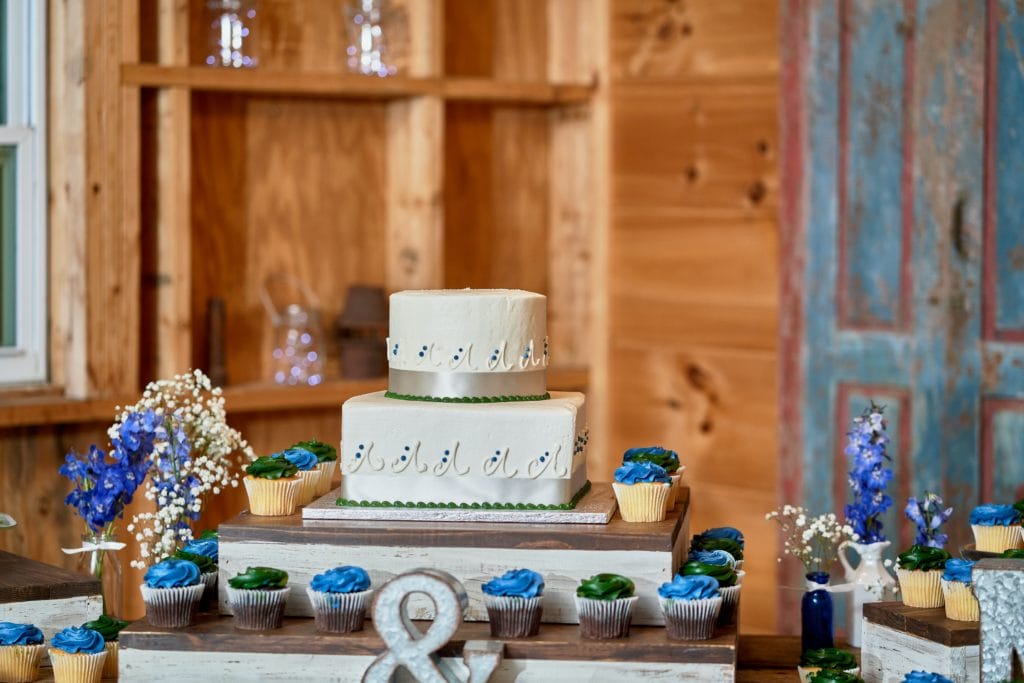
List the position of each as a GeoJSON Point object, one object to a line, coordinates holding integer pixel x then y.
{"type": "Point", "coordinates": [214, 650]}
{"type": "Point", "coordinates": [898, 639]}
{"type": "Point", "coordinates": [49, 597]}
{"type": "Point", "coordinates": [473, 553]}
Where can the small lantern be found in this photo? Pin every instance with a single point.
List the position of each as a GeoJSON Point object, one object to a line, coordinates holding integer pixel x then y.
{"type": "Point", "coordinates": [361, 331]}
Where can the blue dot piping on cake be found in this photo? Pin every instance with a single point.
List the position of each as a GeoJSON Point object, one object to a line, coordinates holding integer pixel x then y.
{"type": "Point", "coordinates": [358, 455]}
{"type": "Point", "coordinates": [497, 452]}
{"type": "Point", "coordinates": [542, 458]}
{"type": "Point", "coordinates": [424, 347]}
{"type": "Point", "coordinates": [402, 458]}
{"type": "Point", "coordinates": [446, 452]}
{"type": "Point", "coordinates": [406, 448]}
{"type": "Point", "coordinates": [456, 357]}
{"type": "Point", "coordinates": [421, 354]}
{"type": "Point", "coordinates": [460, 349]}
{"type": "Point", "coordinates": [444, 459]}
{"type": "Point", "coordinates": [494, 458]}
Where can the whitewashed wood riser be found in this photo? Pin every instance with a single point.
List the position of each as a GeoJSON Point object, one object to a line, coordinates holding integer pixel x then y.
{"type": "Point", "coordinates": [562, 570]}
{"type": "Point", "coordinates": [53, 615]}
{"type": "Point", "coordinates": [887, 655]}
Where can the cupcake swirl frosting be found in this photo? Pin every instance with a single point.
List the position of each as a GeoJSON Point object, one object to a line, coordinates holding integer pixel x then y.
{"type": "Point", "coordinates": [833, 676]}
{"type": "Point", "coordinates": [641, 473]}
{"type": "Point", "coordinates": [606, 587]}
{"type": "Point", "coordinates": [347, 579]}
{"type": "Point", "coordinates": [300, 457]}
{"type": "Point", "coordinates": [729, 532]}
{"type": "Point", "coordinates": [259, 577]}
{"type": "Point", "coordinates": [172, 573]}
{"type": "Point", "coordinates": [205, 564]}
{"type": "Point", "coordinates": [207, 546]}
{"type": "Point", "coordinates": [958, 570]}
{"type": "Point", "coordinates": [75, 640]}
{"type": "Point", "coordinates": [323, 452]}
{"type": "Point", "coordinates": [519, 583]}
{"type": "Point", "coordinates": [702, 542]}
{"type": "Point", "coordinates": [689, 588]}
{"type": "Point", "coordinates": [925, 677]}
{"type": "Point", "coordinates": [271, 468]}
{"type": "Point", "coordinates": [1013, 554]}
{"type": "Point", "coordinates": [922, 558]}
{"type": "Point", "coordinates": [716, 557]}
{"type": "Point", "coordinates": [995, 515]}
{"type": "Point", "coordinates": [829, 658]}
{"type": "Point", "coordinates": [724, 574]}
{"type": "Point", "coordinates": [19, 634]}
{"type": "Point", "coordinates": [662, 457]}
{"type": "Point", "coordinates": [107, 626]}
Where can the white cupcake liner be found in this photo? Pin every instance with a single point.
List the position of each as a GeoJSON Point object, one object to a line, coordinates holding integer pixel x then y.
{"type": "Point", "coordinates": [338, 612]}
{"type": "Point", "coordinates": [605, 619]}
{"type": "Point", "coordinates": [739, 576]}
{"type": "Point", "coordinates": [673, 492]}
{"type": "Point", "coordinates": [309, 481]}
{"type": "Point", "coordinates": [326, 470]}
{"type": "Point", "coordinates": [110, 666]}
{"type": "Point", "coordinates": [730, 605]}
{"type": "Point", "coordinates": [172, 607]}
{"type": "Point", "coordinates": [258, 609]}
{"type": "Point", "coordinates": [997, 537]}
{"type": "Point", "coordinates": [77, 667]}
{"type": "Point", "coordinates": [20, 663]}
{"type": "Point", "coordinates": [512, 616]}
{"type": "Point", "coordinates": [691, 619]}
{"type": "Point", "coordinates": [739, 565]}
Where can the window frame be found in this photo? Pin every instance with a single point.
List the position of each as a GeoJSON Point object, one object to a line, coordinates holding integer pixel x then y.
{"type": "Point", "coordinates": [25, 129]}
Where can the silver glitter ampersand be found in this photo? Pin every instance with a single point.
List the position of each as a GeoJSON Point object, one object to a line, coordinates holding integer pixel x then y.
{"type": "Point", "coordinates": [999, 586]}
{"type": "Point", "coordinates": [416, 651]}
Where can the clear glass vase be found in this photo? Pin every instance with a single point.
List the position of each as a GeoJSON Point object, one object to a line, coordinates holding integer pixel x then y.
{"type": "Point", "coordinates": [102, 563]}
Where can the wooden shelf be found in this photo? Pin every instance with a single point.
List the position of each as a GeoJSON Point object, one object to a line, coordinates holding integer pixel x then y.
{"type": "Point", "coordinates": [242, 398]}
{"type": "Point", "coordinates": [343, 86]}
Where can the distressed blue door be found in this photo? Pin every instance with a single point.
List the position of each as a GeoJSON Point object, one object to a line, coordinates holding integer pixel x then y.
{"type": "Point", "coordinates": [903, 247]}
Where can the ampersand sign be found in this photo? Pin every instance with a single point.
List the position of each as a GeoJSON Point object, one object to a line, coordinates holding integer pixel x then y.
{"type": "Point", "coordinates": [414, 650]}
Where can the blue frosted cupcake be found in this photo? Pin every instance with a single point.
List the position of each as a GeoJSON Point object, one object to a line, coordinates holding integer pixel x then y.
{"type": "Point", "coordinates": [924, 677]}
{"type": "Point", "coordinates": [691, 605]}
{"type": "Point", "coordinates": [309, 475]}
{"type": "Point", "coordinates": [339, 598]}
{"type": "Point", "coordinates": [641, 489]}
{"type": "Point", "coordinates": [77, 655]}
{"type": "Point", "coordinates": [171, 590]}
{"type": "Point", "coordinates": [996, 528]}
{"type": "Point", "coordinates": [957, 591]}
{"type": "Point", "coordinates": [21, 650]}
{"type": "Point", "coordinates": [206, 546]}
{"type": "Point", "coordinates": [513, 602]}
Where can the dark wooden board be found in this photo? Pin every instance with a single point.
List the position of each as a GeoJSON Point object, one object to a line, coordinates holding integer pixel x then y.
{"type": "Point", "coordinates": [930, 624]}
{"type": "Point", "coordinates": [616, 535]}
{"type": "Point", "coordinates": [22, 579]}
{"type": "Point", "coordinates": [554, 642]}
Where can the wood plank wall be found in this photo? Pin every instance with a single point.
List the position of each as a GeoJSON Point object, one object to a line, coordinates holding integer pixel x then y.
{"type": "Point", "coordinates": [693, 262]}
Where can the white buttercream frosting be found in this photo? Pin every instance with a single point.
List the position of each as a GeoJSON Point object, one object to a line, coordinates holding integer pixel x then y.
{"type": "Point", "coordinates": [468, 331]}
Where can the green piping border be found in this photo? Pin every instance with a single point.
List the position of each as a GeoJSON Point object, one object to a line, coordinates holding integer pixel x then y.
{"type": "Point", "coordinates": [467, 399]}
{"type": "Point", "coordinates": [345, 502]}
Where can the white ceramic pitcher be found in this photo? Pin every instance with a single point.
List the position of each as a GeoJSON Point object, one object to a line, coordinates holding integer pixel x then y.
{"type": "Point", "coordinates": [869, 581]}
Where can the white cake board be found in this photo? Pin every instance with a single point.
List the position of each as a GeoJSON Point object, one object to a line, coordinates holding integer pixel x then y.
{"type": "Point", "coordinates": [596, 507]}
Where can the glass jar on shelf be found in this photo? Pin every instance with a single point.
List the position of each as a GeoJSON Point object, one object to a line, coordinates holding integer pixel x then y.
{"type": "Point", "coordinates": [377, 37]}
{"type": "Point", "coordinates": [231, 41]}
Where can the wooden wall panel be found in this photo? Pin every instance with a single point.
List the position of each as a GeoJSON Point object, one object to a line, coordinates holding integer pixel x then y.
{"type": "Point", "coordinates": [693, 258]}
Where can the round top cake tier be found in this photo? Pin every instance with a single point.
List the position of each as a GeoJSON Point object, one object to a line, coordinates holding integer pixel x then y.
{"type": "Point", "coordinates": [468, 343]}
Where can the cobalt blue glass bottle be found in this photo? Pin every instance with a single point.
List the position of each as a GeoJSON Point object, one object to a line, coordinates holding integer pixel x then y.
{"type": "Point", "coordinates": [816, 613]}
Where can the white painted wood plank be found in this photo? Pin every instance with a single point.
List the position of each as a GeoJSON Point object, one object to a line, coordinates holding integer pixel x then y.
{"type": "Point", "coordinates": [145, 666]}
{"type": "Point", "coordinates": [597, 507]}
{"type": "Point", "coordinates": [887, 655]}
{"type": "Point", "coordinates": [562, 570]}
{"type": "Point", "coordinates": [53, 615]}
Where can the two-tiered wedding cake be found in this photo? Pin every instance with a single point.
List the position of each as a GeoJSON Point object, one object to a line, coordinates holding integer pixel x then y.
{"type": "Point", "coordinates": [467, 417]}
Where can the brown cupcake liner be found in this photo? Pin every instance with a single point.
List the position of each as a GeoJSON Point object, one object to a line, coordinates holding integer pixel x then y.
{"type": "Point", "coordinates": [172, 607]}
{"type": "Point", "coordinates": [961, 604]}
{"type": "Point", "coordinates": [691, 619]}
{"type": "Point", "coordinates": [920, 588]}
{"type": "Point", "coordinates": [997, 539]}
{"type": "Point", "coordinates": [513, 617]}
{"type": "Point", "coordinates": [338, 612]}
{"type": "Point", "coordinates": [643, 502]}
{"type": "Point", "coordinates": [605, 619]}
{"type": "Point", "coordinates": [326, 470]}
{"type": "Point", "coordinates": [77, 667]}
{"type": "Point", "coordinates": [272, 497]}
{"type": "Point", "coordinates": [20, 663]}
{"type": "Point", "coordinates": [258, 609]}
{"type": "Point", "coordinates": [730, 605]}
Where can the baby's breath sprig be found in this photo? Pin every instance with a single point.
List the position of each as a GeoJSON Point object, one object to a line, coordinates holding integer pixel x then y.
{"type": "Point", "coordinates": [201, 457]}
{"type": "Point", "coordinates": [812, 540]}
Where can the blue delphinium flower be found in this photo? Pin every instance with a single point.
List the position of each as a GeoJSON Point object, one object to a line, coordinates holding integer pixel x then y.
{"type": "Point", "coordinates": [869, 475]}
{"type": "Point", "coordinates": [928, 515]}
